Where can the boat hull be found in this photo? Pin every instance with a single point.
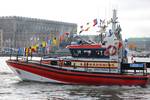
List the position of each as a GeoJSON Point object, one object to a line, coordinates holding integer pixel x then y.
{"type": "Point", "coordinates": [46, 73]}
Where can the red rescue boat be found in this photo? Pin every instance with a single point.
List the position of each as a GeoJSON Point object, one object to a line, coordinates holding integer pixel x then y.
{"type": "Point", "coordinates": [89, 64]}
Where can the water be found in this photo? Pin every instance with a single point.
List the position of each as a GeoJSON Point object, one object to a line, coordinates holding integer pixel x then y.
{"type": "Point", "coordinates": [12, 88]}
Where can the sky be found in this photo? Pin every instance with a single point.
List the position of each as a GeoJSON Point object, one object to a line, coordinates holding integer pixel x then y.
{"type": "Point", "coordinates": [133, 15]}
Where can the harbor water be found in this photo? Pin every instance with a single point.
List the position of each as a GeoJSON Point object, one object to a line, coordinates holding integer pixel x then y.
{"type": "Point", "coordinates": [12, 88]}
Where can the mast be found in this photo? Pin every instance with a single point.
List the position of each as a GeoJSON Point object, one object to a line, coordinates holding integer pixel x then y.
{"type": "Point", "coordinates": [114, 20]}
{"type": "Point", "coordinates": [117, 29]}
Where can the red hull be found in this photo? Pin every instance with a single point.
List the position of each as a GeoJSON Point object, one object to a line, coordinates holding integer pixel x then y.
{"type": "Point", "coordinates": [78, 77]}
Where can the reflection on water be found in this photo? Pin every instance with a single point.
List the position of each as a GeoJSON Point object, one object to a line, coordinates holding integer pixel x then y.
{"type": "Point", "coordinates": [12, 88]}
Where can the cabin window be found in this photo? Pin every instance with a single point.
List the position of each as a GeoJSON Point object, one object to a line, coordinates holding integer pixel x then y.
{"type": "Point", "coordinates": [98, 53]}
{"type": "Point", "coordinates": [74, 53]}
{"type": "Point", "coordinates": [53, 62]}
{"type": "Point", "coordinates": [79, 53]}
{"type": "Point", "coordinates": [89, 53]}
{"type": "Point", "coordinates": [67, 63]}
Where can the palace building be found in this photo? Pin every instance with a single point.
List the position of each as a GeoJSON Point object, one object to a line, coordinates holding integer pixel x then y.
{"type": "Point", "coordinates": [18, 32]}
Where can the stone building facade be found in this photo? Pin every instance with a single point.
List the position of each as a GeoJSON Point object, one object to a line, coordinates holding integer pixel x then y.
{"type": "Point", "coordinates": [16, 32]}
{"type": "Point", "coordinates": [140, 44]}
{"type": "Point", "coordinates": [1, 40]}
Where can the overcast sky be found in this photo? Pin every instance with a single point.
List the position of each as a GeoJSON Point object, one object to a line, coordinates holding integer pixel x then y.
{"type": "Point", "coordinates": [134, 15]}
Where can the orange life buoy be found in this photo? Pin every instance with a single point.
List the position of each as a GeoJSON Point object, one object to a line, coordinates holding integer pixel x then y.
{"type": "Point", "coordinates": [111, 50]}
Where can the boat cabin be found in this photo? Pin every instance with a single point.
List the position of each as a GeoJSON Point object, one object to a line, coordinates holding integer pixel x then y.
{"type": "Point", "coordinates": [88, 51]}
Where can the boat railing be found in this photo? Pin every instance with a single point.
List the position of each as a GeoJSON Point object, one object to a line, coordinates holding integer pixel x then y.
{"type": "Point", "coordinates": [134, 68]}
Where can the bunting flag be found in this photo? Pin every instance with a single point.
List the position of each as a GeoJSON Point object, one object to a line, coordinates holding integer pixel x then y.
{"type": "Point", "coordinates": [67, 33]}
{"type": "Point", "coordinates": [87, 29]}
{"type": "Point", "coordinates": [95, 22]}
{"type": "Point", "coordinates": [34, 48]}
{"type": "Point", "coordinates": [110, 33]}
{"type": "Point", "coordinates": [81, 29]}
{"type": "Point", "coordinates": [117, 32]}
{"type": "Point", "coordinates": [20, 51]}
{"type": "Point", "coordinates": [87, 26]}
{"type": "Point", "coordinates": [49, 42]}
{"type": "Point", "coordinates": [34, 39]}
{"type": "Point", "coordinates": [48, 35]}
{"type": "Point", "coordinates": [26, 51]}
{"type": "Point", "coordinates": [108, 22]}
{"type": "Point", "coordinates": [46, 39]}
{"type": "Point", "coordinates": [43, 44]}
{"type": "Point", "coordinates": [61, 38]}
{"type": "Point", "coordinates": [120, 45]}
{"type": "Point", "coordinates": [54, 41]}
{"type": "Point", "coordinates": [102, 24]}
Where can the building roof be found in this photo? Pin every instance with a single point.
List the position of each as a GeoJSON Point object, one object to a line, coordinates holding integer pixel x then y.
{"type": "Point", "coordinates": [35, 19]}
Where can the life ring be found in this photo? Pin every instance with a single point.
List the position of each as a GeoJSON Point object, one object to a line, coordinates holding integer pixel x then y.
{"type": "Point", "coordinates": [119, 44]}
{"type": "Point", "coordinates": [111, 50]}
